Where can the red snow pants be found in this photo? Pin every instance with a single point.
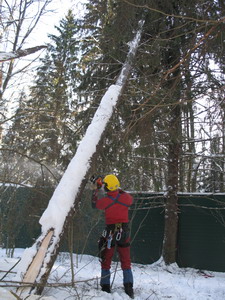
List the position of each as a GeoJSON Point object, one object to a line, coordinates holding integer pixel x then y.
{"type": "Point", "coordinates": [122, 246]}
{"type": "Point", "coordinates": [124, 256]}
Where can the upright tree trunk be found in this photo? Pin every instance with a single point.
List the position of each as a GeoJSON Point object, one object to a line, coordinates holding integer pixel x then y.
{"type": "Point", "coordinates": [171, 209]}
{"type": "Point", "coordinates": [223, 153]}
{"type": "Point", "coordinates": [173, 85]}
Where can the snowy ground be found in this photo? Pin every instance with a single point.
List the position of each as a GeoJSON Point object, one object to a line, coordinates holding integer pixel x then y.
{"type": "Point", "coordinates": [154, 281]}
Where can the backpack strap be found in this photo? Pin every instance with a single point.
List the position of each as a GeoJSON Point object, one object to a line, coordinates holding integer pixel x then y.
{"type": "Point", "coordinates": [115, 200]}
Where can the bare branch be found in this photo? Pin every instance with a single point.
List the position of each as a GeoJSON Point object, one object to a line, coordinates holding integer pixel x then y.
{"type": "Point", "coordinates": [5, 56]}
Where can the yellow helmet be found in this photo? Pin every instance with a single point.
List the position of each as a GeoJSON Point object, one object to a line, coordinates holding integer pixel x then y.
{"type": "Point", "coordinates": [111, 182]}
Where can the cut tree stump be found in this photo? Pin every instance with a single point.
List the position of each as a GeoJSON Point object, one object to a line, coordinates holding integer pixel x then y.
{"type": "Point", "coordinates": [35, 266]}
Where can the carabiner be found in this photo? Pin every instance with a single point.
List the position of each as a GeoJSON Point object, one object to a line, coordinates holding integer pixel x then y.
{"type": "Point", "coordinates": [118, 236]}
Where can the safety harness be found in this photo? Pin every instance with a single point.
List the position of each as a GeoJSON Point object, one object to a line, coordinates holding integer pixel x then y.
{"type": "Point", "coordinates": [115, 200]}
{"type": "Point", "coordinates": [117, 231]}
{"type": "Point", "coordinates": [114, 233]}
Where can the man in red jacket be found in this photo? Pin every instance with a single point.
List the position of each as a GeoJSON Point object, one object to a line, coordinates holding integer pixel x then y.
{"type": "Point", "coordinates": [108, 196]}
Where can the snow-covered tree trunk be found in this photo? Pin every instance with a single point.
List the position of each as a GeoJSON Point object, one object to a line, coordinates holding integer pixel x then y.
{"type": "Point", "coordinates": [38, 260]}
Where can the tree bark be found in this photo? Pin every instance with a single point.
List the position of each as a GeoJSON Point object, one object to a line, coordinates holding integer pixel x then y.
{"type": "Point", "coordinates": [171, 209]}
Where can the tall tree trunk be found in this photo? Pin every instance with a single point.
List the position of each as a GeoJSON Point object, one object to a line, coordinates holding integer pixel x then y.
{"type": "Point", "coordinates": [173, 85]}
{"type": "Point", "coordinates": [222, 164]}
{"type": "Point", "coordinates": [171, 209]}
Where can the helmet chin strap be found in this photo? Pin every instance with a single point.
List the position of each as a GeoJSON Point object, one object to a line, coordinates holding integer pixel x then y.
{"type": "Point", "coordinates": [105, 187]}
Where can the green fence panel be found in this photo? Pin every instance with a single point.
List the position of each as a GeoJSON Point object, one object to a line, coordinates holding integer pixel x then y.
{"type": "Point", "coordinates": [20, 210]}
{"type": "Point", "coordinates": [147, 227]}
{"type": "Point", "coordinates": [201, 232]}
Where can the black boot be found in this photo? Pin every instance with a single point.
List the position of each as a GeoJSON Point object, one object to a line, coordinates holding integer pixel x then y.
{"type": "Point", "coordinates": [106, 288]}
{"type": "Point", "coordinates": [129, 289]}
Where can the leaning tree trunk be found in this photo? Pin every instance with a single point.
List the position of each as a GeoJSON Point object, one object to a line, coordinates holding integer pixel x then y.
{"type": "Point", "coordinates": [38, 260]}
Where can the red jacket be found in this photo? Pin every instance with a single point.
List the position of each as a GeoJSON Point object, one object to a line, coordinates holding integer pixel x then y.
{"type": "Point", "coordinates": [115, 204]}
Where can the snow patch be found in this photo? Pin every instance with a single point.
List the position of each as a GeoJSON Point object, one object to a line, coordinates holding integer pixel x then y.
{"type": "Point", "coordinates": [154, 281]}
{"type": "Point", "coordinates": [7, 295]}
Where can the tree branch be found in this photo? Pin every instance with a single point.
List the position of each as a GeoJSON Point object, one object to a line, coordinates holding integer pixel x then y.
{"type": "Point", "coordinates": [5, 56]}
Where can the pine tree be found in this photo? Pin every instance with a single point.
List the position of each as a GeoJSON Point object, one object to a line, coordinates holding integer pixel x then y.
{"type": "Point", "coordinates": [46, 122]}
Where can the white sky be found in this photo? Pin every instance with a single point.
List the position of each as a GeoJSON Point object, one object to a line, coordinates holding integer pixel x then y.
{"type": "Point", "coordinates": [59, 10]}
